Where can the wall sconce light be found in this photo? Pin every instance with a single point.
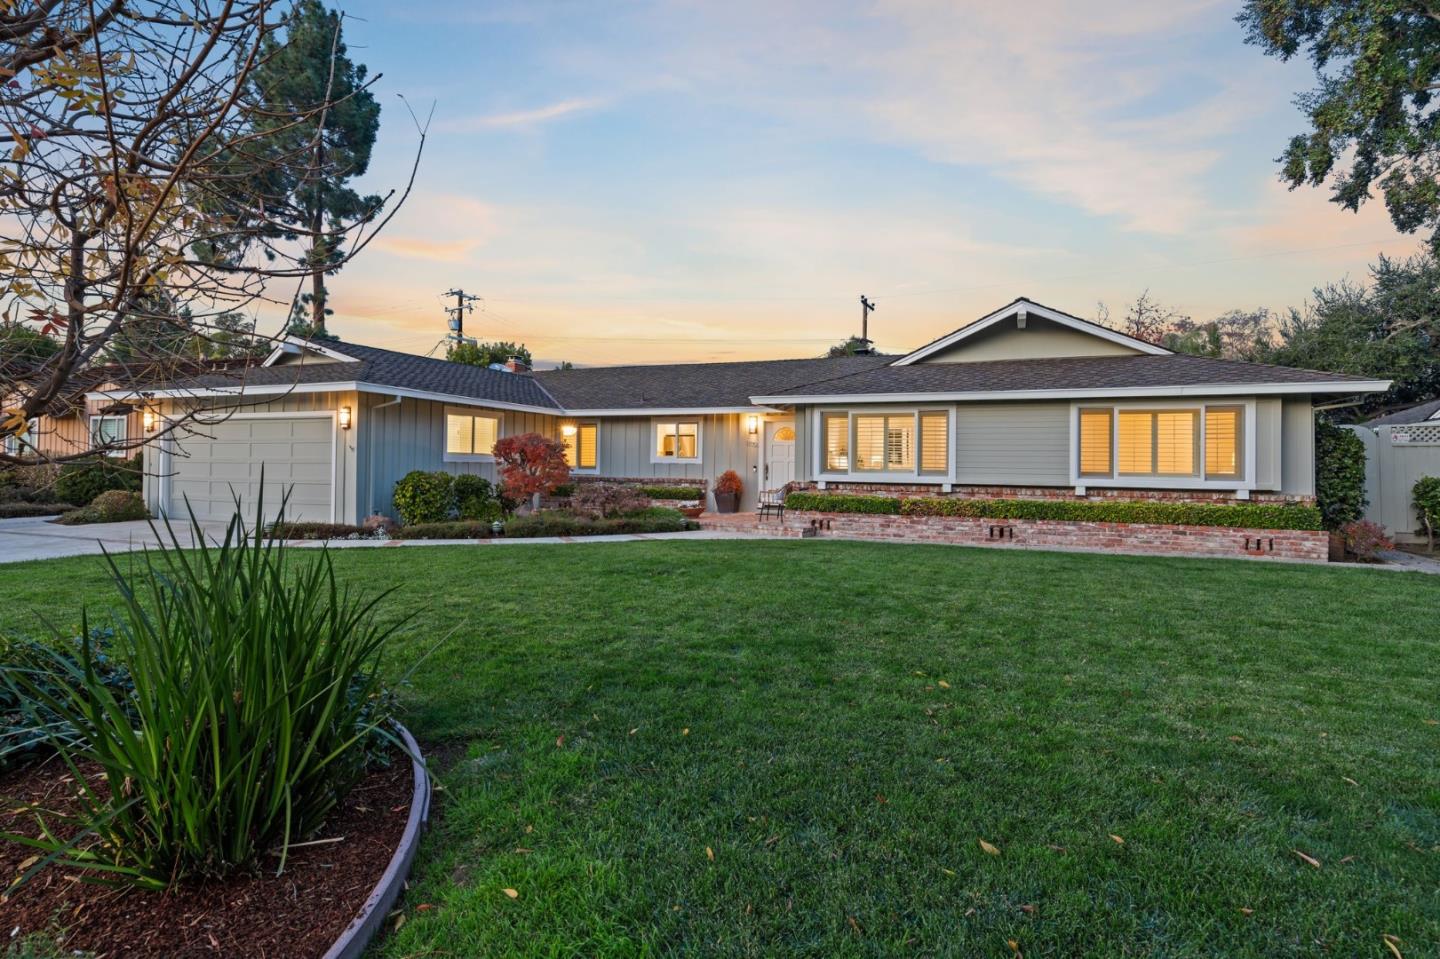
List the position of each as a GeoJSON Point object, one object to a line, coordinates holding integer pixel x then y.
{"type": "Point", "coordinates": [150, 420]}
{"type": "Point", "coordinates": [752, 424]}
{"type": "Point", "coordinates": [568, 429]}
{"type": "Point", "coordinates": [344, 417]}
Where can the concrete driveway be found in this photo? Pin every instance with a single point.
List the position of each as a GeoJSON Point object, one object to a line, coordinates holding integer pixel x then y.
{"type": "Point", "coordinates": [37, 537]}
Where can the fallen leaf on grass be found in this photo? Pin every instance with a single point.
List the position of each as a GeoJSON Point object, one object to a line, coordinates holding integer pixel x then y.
{"type": "Point", "coordinates": [1059, 849]}
{"type": "Point", "coordinates": [1236, 739]}
{"type": "Point", "coordinates": [685, 731]}
{"type": "Point", "coordinates": [1393, 944]}
{"type": "Point", "coordinates": [855, 925]}
{"type": "Point", "coordinates": [1246, 911]}
{"type": "Point", "coordinates": [1349, 780]}
{"type": "Point", "coordinates": [559, 742]}
{"type": "Point", "coordinates": [635, 730]}
{"type": "Point", "coordinates": [1309, 859]}
{"type": "Point", "coordinates": [1028, 909]}
{"type": "Point", "coordinates": [1014, 946]}
{"type": "Point", "coordinates": [399, 921]}
{"type": "Point", "coordinates": [991, 849]}
{"type": "Point", "coordinates": [1117, 839]}
{"type": "Point", "coordinates": [1346, 859]}
{"type": "Point", "coordinates": [512, 893]}
{"type": "Point", "coordinates": [948, 872]}
{"type": "Point", "coordinates": [1432, 722]}
{"type": "Point", "coordinates": [709, 854]}
{"type": "Point", "coordinates": [424, 907]}
{"type": "Point", "coordinates": [943, 685]}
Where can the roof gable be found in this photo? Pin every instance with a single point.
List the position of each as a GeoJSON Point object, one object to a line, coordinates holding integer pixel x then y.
{"type": "Point", "coordinates": [1025, 329]}
{"type": "Point", "coordinates": [294, 349]}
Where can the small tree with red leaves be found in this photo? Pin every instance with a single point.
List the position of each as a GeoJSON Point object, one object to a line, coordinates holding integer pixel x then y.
{"type": "Point", "coordinates": [531, 466]}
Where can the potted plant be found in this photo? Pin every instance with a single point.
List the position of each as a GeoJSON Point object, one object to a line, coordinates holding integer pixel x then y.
{"type": "Point", "coordinates": [727, 492]}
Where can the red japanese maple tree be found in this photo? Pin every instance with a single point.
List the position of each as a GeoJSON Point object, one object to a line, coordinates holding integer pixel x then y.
{"type": "Point", "coordinates": [531, 465]}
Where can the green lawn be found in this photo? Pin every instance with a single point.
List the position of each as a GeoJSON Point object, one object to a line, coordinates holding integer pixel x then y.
{"type": "Point", "coordinates": [793, 748]}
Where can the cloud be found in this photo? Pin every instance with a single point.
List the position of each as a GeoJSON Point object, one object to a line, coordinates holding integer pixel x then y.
{"type": "Point", "coordinates": [418, 248]}
{"type": "Point", "coordinates": [523, 119]}
{"type": "Point", "coordinates": [1284, 220]}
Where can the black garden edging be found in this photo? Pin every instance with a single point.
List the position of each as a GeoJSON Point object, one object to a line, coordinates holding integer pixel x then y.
{"type": "Point", "coordinates": [363, 927]}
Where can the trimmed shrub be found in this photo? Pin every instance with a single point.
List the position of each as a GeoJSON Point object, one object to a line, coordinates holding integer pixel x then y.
{"type": "Point", "coordinates": [424, 497]}
{"type": "Point", "coordinates": [17, 510]}
{"type": "Point", "coordinates": [686, 493]}
{"type": "Point", "coordinates": [601, 500]}
{"type": "Point", "coordinates": [1157, 512]}
{"type": "Point", "coordinates": [1339, 474]}
{"type": "Point", "coordinates": [1364, 540]}
{"type": "Point", "coordinates": [452, 530]}
{"type": "Point", "coordinates": [560, 523]}
{"type": "Point", "coordinates": [842, 503]}
{"type": "Point", "coordinates": [83, 480]}
{"type": "Point", "coordinates": [475, 499]}
{"type": "Point", "coordinates": [112, 506]}
{"type": "Point", "coordinates": [1426, 494]}
{"type": "Point", "coordinates": [317, 531]}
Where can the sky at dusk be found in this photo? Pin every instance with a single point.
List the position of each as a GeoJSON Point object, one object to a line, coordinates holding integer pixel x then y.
{"type": "Point", "coordinates": [667, 181]}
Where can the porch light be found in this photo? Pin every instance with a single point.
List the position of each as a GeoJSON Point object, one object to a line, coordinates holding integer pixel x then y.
{"type": "Point", "coordinates": [344, 417]}
{"type": "Point", "coordinates": [150, 420]}
{"type": "Point", "coordinates": [568, 429]}
{"type": "Point", "coordinates": [752, 424]}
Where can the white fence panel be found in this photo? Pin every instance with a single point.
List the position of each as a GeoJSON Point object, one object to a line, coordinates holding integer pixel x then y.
{"type": "Point", "coordinates": [1397, 456]}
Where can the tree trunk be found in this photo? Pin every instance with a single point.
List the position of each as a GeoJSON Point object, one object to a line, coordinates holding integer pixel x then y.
{"type": "Point", "coordinates": [319, 252]}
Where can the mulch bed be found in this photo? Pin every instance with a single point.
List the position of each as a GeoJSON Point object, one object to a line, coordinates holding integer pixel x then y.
{"type": "Point", "coordinates": [299, 913]}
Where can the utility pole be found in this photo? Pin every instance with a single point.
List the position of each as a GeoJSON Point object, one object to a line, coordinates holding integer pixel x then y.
{"type": "Point", "coordinates": [464, 303]}
{"type": "Point", "coordinates": [865, 309]}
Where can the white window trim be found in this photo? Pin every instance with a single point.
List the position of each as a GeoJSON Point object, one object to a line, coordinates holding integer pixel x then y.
{"type": "Point", "coordinates": [656, 458]}
{"type": "Point", "coordinates": [124, 431]}
{"type": "Point", "coordinates": [450, 457]}
{"type": "Point", "coordinates": [31, 437]}
{"type": "Point", "coordinates": [1245, 483]}
{"type": "Point", "coordinates": [585, 470]}
{"type": "Point", "coordinates": [913, 477]}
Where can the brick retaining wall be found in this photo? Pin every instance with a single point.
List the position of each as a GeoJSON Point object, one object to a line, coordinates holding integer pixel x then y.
{"type": "Point", "coordinates": [1050, 492]}
{"type": "Point", "coordinates": [1118, 537]}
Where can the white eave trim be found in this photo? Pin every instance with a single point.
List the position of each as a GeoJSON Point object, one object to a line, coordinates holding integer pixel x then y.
{"type": "Point", "coordinates": [1031, 309]}
{"type": "Point", "coordinates": [285, 389]}
{"type": "Point", "coordinates": [674, 411]}
{"type": "Point", "coordinates": [1211, 389]}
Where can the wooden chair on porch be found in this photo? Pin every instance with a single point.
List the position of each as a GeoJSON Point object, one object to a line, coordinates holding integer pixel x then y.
{"type": "Point", "coordinates": [772, 503]}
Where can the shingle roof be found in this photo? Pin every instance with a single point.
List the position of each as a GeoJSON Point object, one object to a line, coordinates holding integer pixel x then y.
{"type": "Point", "coordinates": [1062, 373]}
{"type": "Point", "coordinates": [389, 368]}
{"type": "Point", "coordinates": [691, 385]}
{"type": "Point", "coordinates": [1415, 414]}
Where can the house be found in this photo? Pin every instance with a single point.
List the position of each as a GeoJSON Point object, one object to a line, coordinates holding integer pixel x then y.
{"type": "Point", "coordinates": [81, 421]}
{"type": "Point", "coordinates": [1428, 412]}
{"type": "Point", "coordinates": [1028, 401]}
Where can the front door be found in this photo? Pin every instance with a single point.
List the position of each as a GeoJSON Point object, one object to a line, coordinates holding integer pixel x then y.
{"type": "Point", "coordinates": [779, 453]}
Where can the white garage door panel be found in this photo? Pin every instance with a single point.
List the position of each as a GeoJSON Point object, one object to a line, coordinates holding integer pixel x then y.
{"type": "Point", "coordinates": [294, 452]}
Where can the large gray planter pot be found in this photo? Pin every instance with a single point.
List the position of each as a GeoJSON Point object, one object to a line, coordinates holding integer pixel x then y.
{"type": "Point", "coordinates": [727, 502]}
{"type": "Point", "coordinates": [372, 915]}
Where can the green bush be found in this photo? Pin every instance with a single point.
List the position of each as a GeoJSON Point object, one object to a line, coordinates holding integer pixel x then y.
{"type": "Point", "coordinates": [454, 529]}
{"type": "Point", "coordinates": [561, 523]}
{"type": "Point", "coordinates": [1240, 515]}
{"type": "Point", "coordinates": [1339, 474]}
{"type": "Point", "coordinates": [1426, 494]}
{"type": "Point", "coordinates": [255, 706]}
{"type": "Point", "coordinates": [26, 725]}
{"type": "Point", "coordinates": [842, 503]}
{"type": "Point", "coordinates": [320, 531]}
{"type": "Point", "coordinates": [112, 506]}
{"type": "Point", "coordinates": [83, 480]}
{"type": "Point", "coordinates": [17, 509]}
{"type": "Point", "coordinates": [476, 499]}
{"type": "Point", "coordinates": [673, 492]}
{"type": "Point", "coordinates": [425, 497]}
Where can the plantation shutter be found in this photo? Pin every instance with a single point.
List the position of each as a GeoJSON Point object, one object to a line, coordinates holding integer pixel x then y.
{"type": "Point", "coordinates": [1095, 452]}
{"type": "Point", "coordinates": [870, 443]}
{"type": "Point", "coordinates": [935, 442]}
{"type": "Point", "coordinates": [1222, 441]}
{"type": "Point", "coordinates": [837, 442]}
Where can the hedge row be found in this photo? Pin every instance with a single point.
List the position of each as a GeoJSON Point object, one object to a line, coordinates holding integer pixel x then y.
{"type": "Point", "coordinates": [1158, 512]}
{"type": "Point", "coordinates": [842, 503]}
{"type": "Point", "coordinates": [15, 510]}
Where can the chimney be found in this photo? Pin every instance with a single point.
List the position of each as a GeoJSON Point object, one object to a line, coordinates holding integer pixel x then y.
{"type": "Point", "coordinates": [517, 365]}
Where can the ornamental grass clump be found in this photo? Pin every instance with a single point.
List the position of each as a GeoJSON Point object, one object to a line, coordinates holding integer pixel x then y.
{"type": "Point", "coordinates": [254, 703]}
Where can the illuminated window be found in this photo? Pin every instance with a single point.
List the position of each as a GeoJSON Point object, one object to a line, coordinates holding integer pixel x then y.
{"type": "Point", "coordinates": [1158, 442]}
{"type": "Point", "coordinates": [469, 434]}
{"type": "Point", "coordinates": [836, 430]}
{"type": "Point", "coordinates": [581, 446]}
{"type": "Point", "coordinates": [108, 433]}
{"type": "Point", "coordinates": [935, 442]}
{"type": "Point", "coordinates": [677, 442]}
{"type": "Point", "coordinates": [784, 435]}
{"type": "Point", "coordinates": [885, 443]}
{"type": "Point", "coordinates": [1096, 427]}
{"type": "Point", "coordinates": [1222, 442]}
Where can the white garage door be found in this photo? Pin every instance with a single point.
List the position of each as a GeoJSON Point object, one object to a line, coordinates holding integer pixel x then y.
{"type": "Point", "coordinates": [210, 470]}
